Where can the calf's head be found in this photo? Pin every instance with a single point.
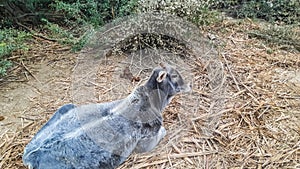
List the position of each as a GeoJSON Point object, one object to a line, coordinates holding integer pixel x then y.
{"type": "Point", "coordinates": [167, 81]}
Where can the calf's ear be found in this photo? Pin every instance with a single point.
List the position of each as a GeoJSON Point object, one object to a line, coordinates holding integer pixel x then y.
{"type": "Point", "coordinates": [161, 76]}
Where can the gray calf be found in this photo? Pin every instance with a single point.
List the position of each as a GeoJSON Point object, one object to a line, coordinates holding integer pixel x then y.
{"type": "Point", "coordinates": [104, 135]}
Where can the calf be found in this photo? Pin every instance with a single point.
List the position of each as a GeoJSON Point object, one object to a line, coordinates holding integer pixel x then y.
{"type": "Point", "coordinates": [104, 135]}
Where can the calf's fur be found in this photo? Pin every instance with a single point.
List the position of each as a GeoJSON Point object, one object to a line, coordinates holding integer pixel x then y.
{"type": "Point", "coordinates": [103, 135]}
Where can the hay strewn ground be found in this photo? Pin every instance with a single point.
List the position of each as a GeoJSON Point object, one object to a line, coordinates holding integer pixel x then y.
{"type": "Point", "coordinates": [258, 128]}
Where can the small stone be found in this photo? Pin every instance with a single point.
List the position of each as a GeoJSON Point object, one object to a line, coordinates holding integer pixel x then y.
{"type": "Point", "coordinates": [2, 118]}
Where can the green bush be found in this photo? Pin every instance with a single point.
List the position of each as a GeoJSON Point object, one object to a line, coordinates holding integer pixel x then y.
{"type": "Point", "coordinates": [284, 36]}
{"type": "Point", "coordinates": [4, 65]}
{"type": "Point", "coordinates": [81, 15]}
{"type": "Point", "coordinates": [10, 40]}
{"type": "Point", "coordinates": [94, 12]}
{"type": "Point", "coordinates": [287, 11]}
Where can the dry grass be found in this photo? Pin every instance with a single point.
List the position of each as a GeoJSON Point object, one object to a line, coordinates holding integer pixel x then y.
{"type": "Point", "coordinates": [258, 126]}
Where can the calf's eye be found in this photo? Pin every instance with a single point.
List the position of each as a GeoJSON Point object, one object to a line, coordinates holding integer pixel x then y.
{"type": "Point", "coordinates": [174, 76]}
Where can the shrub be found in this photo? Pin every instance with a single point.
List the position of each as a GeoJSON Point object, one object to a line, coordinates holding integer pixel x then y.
{"type": "Point", "coordinates": [94, 12]}
{"type": "Point", "coordinates": [80, 15]}
{"type": "Point", "coordinates": [198, 12]}
{"type": "Point", "coordinates": [287, 11]}
{"type": "Point", "coordinates": [285, 36]}
{"type": "Point", "coordinates": [10, 40]}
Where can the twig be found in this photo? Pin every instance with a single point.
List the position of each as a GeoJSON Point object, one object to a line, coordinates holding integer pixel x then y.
{"type": "Point", "coordinates": [30, 72]}
{"type": "Point", "coordinates": [289, 97]}
{"type": "Point", "coordinates": [107, 90]}
{"type": "Point", "coordinates": [182, 155]}
{"type": "Point", "coordinates": [143, 165]}
{"type": "Point", "coordinates": [179, 152]}
{"type": "Point", "coordinates": [35, 34]}
{"type": "Point", "coordinates": [234, 79]}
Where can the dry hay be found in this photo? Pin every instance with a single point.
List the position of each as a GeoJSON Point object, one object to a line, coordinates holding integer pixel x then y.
{"type": "Point", "coordinates": [262, 130]}
{"type": "Point", "coordinates": [34, 99]}
{"type": "Point", "coordinates": [258, 127]}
